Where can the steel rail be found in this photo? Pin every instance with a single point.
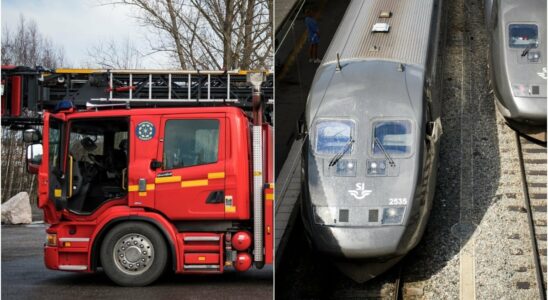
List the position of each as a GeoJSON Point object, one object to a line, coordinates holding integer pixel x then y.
{"type": "Point", "coordinates": [527, 200]}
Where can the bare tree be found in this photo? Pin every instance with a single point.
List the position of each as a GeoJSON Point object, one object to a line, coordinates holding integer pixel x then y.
{"type": "Point", "coordinates": [26, 46]}
{"type": "Point", "coordinates": [208, 34]}
{"type": "Point", "coordinates": [114, 55]}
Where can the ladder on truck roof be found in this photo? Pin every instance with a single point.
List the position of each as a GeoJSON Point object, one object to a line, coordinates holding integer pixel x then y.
{"type": "Point", "coordinates": [101, 88]}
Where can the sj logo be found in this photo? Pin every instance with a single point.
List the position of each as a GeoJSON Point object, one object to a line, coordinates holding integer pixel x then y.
{"type": "Point", "coordinates": [543, 74]}
{"type": "Point", "coordinates": [360, 192]}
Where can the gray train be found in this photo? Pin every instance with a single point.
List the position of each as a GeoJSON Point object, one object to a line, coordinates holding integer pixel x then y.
{"type": "Point", "coordinates": [373, 121]}
{"type": "Point", "coordinates": [517, 59]}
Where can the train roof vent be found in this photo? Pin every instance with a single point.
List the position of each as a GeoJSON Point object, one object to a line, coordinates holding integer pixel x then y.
{"type": "Point", "coordinates": [374, 48]}
{"type": "Point", "coordinates": [385, 14]}
{"type": "Point", "coordinates": [381, 27]}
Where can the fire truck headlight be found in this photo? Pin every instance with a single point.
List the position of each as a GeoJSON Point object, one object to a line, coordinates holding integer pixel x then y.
{"type": "Point", "coordinates": [51, 240]}
{"type": "Point", "coordinates": [393, 215]}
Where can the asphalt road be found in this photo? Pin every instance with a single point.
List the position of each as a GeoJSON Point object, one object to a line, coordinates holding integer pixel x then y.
{"type": "Point", "coordinates": [24, 276]}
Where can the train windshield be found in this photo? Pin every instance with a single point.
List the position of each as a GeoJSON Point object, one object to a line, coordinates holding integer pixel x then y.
{"type": "Point", "coordinates": [523, 35]}
{"type": "Point", "coordinates": [332, 136]}
{"type": "Point", "coordinates": [396, 137]}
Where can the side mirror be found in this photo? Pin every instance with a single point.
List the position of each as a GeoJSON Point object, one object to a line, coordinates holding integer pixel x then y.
{"type": "Point", "coordinates": [32, 136]}
{"type": "Point", "coordinates": [34, 158]}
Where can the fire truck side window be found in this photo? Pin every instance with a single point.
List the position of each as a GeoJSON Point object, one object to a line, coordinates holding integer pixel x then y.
{"type": "Point", "coordinates": [77, 149]}
{"type": "Point", "coordinates": [190, 143]}
{"type": "Point", "coordinates": [54, 143]}
{"type": "Point", "coordinates": [98, 148]}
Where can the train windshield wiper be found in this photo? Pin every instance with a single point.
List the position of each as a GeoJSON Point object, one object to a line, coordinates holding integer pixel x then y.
{"type": "Point", "coordinates": [390, 160]}
{"type": "Point", "coordinates": [526, 50]}
{"type": "Point", "coordinates": [339, 155]}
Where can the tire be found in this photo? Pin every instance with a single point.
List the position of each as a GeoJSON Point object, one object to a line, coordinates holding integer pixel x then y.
{"type": "Point", "coordinates": [134, 254]}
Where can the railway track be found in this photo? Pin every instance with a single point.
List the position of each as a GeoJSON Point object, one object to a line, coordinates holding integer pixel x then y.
{"type": "Point", "coordinates": [532, 160]}
{"type": "Point", "coordinates": [387, 287]}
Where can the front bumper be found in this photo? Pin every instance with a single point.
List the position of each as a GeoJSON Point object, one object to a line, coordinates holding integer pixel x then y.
{"type": "Point", "coordinates": [524, 109]}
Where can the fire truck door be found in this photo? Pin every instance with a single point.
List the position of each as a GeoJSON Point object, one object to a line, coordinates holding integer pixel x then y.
{"type": "Point", "coordinates": [191, 182]}
{"type": "Point", "coordinates": [143, 148]}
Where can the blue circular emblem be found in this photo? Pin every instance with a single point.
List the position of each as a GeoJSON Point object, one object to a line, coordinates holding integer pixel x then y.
{"type": "Point", "coordinates": [145, 131]}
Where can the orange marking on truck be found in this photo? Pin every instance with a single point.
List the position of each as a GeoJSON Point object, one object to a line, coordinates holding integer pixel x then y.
{"type": "Point", "coordinates": [194, 183]}
{"type": "Point", "coordinates": [217, 175]}
{"type": "Point", "coordinates": [168, 179]}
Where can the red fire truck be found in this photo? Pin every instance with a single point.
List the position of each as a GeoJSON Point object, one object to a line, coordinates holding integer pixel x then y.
{"type": "Point", "coordinates": [161, 170]}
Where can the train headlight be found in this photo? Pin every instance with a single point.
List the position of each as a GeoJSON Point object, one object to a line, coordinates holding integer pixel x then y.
{"type": "Point", "coordinates": [376, 167]}
{"type": "Point", "coordinates": [533, 56]}
{"type": "Point", "coordinates": [346, 168]}
{"type": "Point", "coordinates": [393, 215]}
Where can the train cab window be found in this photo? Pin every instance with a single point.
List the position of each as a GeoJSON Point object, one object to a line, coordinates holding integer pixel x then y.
{"type": "Point", "coordinates": [395, 137]}
{"type": "Point", "coordinates": [190, 143]}
{"type": "Point", "coordinates": [332, 136]}
{"type": "Point", "coordinates": [523, 35]}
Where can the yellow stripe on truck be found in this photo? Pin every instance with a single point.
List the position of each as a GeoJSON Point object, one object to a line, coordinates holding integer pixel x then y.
{"type": "Point", "coordinates": [217, 175]}
{"type": "Point", "coordinates": [135, 188]}
{"type": "Point", "coordinates": [167, 179]}
{"type": "Point", "coordinates": [79, 71]}
{"type": "Point", "coordinates": [194, 183]}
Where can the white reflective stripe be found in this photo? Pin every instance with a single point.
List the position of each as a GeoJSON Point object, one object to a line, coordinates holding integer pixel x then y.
{"type": "Point", "coordinates": [201, 238]}
{"type": "Point", "coordinates": [73, 267]}
{"type": "Point", "coordinates": [202, 266]}
{"type": "Point", "coordinates": [73, 239]}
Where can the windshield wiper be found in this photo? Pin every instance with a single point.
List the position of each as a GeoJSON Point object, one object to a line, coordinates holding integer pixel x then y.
{"type": "Point", "coordinates": [526, 50]}
{"type": "Point", "coordinates": [339, 155]}
{"type": "Point", "coordinates": [390, 160]}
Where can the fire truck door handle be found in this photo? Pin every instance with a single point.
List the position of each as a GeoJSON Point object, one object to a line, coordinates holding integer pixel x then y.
{"type": "Point", "coordinates": [216, 197]}
{"type": "Point", "coordinates": [142, 185]}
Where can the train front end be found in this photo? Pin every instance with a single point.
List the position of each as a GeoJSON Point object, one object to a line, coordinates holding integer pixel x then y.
{"type": "Point", "coordinates": [365, 199]}
{"type": "Point", "coordinates": [518, 62]}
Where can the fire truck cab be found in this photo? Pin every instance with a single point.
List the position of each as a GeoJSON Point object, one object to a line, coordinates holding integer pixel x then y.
{"type": "Point", "coordinates": [139, 190]}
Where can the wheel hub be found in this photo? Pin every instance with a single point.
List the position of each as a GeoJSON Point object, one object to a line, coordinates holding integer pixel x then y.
{"type": "Point", "coordinates": [133, 254]}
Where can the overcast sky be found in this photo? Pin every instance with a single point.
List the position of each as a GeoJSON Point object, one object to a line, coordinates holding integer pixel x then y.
{"type": "Point", "coordinates": [79, 24]}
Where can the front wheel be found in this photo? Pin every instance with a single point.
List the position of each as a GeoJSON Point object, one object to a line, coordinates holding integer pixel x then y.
{"type": "Point", "coordinates": [133, 254]}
